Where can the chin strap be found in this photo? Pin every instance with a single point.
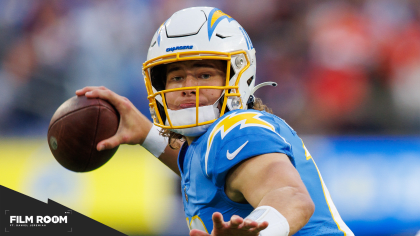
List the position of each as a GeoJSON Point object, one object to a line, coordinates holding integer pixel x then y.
{"type": "Point", "coordinates": [251, 99]}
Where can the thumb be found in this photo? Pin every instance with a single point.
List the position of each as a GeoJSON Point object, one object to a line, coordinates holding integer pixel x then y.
{"type": "Point", "coordinates": [108, 143]}
{"type": "Point", "coordinates": [196, 232]}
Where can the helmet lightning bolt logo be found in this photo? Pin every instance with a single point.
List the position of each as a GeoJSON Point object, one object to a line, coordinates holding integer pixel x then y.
{"type": "Point", "coordinates": [244, 119]}
{"type": "Point", "coordinates": [215, 17]}
{"type": "Point", "coordinates": [159, 31]}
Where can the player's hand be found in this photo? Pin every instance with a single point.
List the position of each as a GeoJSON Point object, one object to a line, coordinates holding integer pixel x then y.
{"type": "Point", "coordinates": [237, 226]}
{"type": "Point", "coordinates": [133, 127]}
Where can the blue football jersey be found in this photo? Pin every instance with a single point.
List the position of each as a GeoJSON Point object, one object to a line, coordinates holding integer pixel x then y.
{"type": "Point", "coordinates": [233, 138]}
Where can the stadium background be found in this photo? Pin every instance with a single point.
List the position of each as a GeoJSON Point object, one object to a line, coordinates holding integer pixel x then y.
{"type": "Point", "coordinates": [348, 74]}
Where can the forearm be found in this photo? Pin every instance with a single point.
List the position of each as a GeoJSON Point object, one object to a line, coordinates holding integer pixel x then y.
{"type": "Point", "coordinates": [297, 207]}
{"type": "Point", "coordinates": [272, 180]}
{"type": "Point", "coordinates": [169, 157]}
{"type": "Point", "coordinates": [158, 146]}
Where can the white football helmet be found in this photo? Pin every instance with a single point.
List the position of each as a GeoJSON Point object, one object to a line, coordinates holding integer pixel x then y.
{"type": "Point", "coordinates": [199, 33]}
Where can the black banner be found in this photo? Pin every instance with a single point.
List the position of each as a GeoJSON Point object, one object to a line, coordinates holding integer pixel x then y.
{"type": "Point", "coordinates": [24, 215]}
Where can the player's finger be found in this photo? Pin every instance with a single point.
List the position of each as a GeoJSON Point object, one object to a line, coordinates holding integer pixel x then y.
{"type": "Point", "coordinates": [218, 222]}
{"type": "Point", "coordinates": [109, 143]}
{"type": "Point", "coordinates": [196, 232]}
{"type": "Point", "coordinates": [82, 91]}
{"type": "Point", "coordinates": [261, 226]}
{"type": "Point", "coordinates": [235, 221]}
{"type": "Point", "coordinates": [249, 224]}
{"type": "Point", "coordinates": [110, 96]}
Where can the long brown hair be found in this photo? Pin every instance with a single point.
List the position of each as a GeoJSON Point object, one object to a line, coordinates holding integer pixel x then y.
{"type": "Point", "coordinates": [176, 140]}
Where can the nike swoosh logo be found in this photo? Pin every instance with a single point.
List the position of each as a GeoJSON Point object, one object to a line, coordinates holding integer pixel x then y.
{"type": "Point", "coordinates": [232, 155]}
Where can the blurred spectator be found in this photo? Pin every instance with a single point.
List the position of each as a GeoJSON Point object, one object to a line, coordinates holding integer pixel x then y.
{"type": "Point", "coordinates": [111, 43]}
{"type": "Point", "coordinates": [34, 66]}
{"type": "Point", "coordinates": [405, 74]}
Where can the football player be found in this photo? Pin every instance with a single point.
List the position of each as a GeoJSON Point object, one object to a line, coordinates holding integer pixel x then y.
{"type": "Point", "coordinates": [243, 170]}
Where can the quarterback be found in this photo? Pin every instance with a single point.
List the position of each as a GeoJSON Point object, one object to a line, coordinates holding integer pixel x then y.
{"type": "Point", "coordinates": [243, 170]}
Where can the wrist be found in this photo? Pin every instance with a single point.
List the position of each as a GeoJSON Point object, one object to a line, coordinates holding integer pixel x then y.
{"type": "Point", "coordinates": [277, 223]}
{"type": "Point", "coordinates": [154, 142]}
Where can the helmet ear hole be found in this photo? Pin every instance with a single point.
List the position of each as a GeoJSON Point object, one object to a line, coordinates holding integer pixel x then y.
{"type": "Point", "coordinates": [249, 81]}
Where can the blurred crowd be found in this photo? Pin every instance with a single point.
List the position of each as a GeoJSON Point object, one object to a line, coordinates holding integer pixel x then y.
{"type": "Point", "coordinates": [343, 67]}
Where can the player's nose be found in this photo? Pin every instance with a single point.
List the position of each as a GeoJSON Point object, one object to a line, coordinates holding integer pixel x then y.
{"type": "Point", "coordinates": [190, 81]}
{"type": "Point", "coordinates": [188, 92]}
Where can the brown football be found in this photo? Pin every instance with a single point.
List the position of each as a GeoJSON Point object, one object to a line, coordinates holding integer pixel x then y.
{"type": "Point", "coordinates": [76, 128]}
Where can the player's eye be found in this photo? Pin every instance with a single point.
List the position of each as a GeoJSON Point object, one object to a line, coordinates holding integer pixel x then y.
{"type": "Point", "coordinates": [205, 76]}
{"type": "Point", "coordinates": [176, 78]}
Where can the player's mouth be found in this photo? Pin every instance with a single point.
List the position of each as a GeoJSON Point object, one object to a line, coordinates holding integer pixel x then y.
{"type": "Point", "coordinates": [188, 105]}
